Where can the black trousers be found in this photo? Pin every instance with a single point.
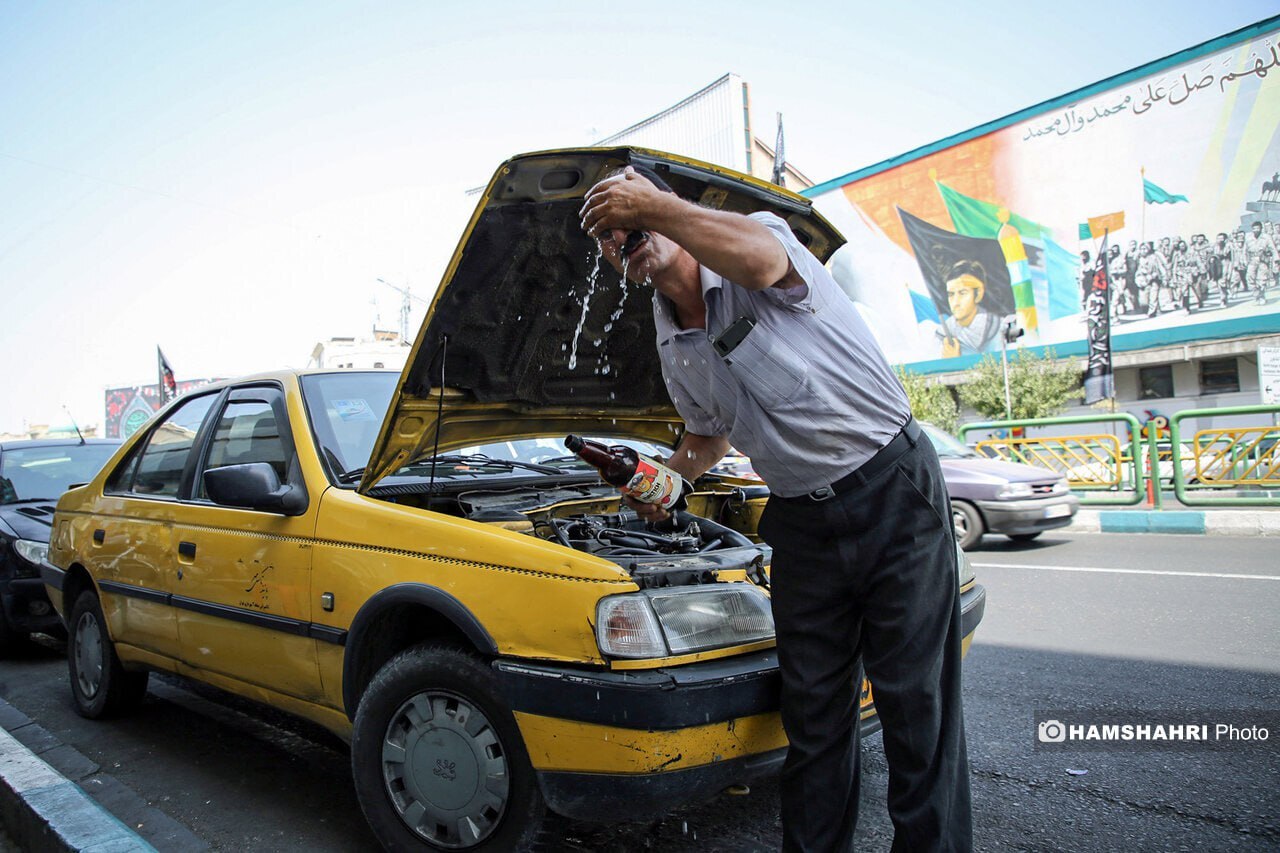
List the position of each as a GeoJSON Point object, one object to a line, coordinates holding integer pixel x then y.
{"type": "Point", "coordinates": [868, 577]}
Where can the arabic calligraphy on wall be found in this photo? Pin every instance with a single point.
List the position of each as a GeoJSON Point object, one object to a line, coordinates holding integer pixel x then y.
{"type": "Point", "coordinates": [1161, 91]}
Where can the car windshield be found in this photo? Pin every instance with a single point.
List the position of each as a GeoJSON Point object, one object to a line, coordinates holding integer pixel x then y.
{"type": "Point", "coordinates": [346, 411]}
{"type": "Point", "coordinates": [44, 473]}
{"type": "Point", "coordinates": [947, 445]}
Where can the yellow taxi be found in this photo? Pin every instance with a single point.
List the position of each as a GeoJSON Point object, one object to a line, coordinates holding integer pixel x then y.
{"type": "Point", "coordinates": [415, 562]}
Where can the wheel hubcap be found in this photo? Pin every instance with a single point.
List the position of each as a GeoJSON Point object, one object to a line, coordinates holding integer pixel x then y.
{"type": "Point", "coordinates": [88, 652]}
{"type": "Point", "coordinates": [445, 769]}
{"type": "Point", "coordinates": [961, 524]}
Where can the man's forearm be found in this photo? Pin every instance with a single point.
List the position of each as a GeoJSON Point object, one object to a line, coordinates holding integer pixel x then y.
{"type": "Point", "coordinates": [695, 454]}
{"type": "Point", "coordinates": [730, 244]}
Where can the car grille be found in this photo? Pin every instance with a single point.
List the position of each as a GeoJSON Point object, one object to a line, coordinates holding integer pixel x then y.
{"type": "Point", "coordinates": [1044, 488]}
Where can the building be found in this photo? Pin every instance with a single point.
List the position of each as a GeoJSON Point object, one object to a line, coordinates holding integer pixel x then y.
{"type": "Point", "coordinates": [1133, 165]}
{"type": "Point", "coordinates": [384, 349]}
{"type": "Point", "coordinates": [714, 124]}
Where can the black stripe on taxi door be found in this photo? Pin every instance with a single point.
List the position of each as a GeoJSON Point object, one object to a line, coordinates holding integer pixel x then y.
{"type": "Point", "coordinates": [296, 627]}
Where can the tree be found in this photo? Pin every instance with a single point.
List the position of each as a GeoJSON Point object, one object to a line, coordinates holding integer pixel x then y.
{"type": "Point", "coordinates": [1039, 386]}
{"type": "Point", "coordinates": [930, 400]}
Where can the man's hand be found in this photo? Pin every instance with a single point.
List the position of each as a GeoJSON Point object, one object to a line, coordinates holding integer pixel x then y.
{"type": "Point", "coordinates": [625, 201]}
{"type": "Point", "coordinates": [651, 513]}
{"type": "Point", "coordinates": [950, 347]}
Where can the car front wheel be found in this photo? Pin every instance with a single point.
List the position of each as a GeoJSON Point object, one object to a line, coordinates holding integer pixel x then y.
{"type": "Point", "coordinates": [100, 684]}
{"type": "Point", "coordinates": [968, 524]}
{"type": "Point", "coordinates": [438, 760]}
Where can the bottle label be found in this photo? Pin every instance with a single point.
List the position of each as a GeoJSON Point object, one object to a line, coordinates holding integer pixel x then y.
{"type": "Point", "coordinates": [654, 484]}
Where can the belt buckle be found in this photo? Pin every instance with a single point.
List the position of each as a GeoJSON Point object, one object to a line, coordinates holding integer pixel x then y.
{"type": "Point", "coordinates": [825, 493]}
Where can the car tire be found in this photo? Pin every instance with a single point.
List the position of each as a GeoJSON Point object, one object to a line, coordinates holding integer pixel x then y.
{"type": "Point", "coordinates": [101, 686]}
{"type": "Point", "coordinates": [1024, 537]}
{"type": "Point", "coordinates": [431, 727]}
{"type": "Point", "coordinates": [968, 524]}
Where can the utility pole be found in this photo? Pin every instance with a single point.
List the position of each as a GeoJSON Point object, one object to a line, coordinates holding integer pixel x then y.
{"type": "Point", "coordinates": [406, 308]}
{"type": "Point", "coordinates": [1010, 333]}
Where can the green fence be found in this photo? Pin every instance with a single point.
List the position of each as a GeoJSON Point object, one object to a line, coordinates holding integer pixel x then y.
{"type": "Point", "coordinates": [1094, 452]}
{"type": "Point", "coordinates": [1230, 466]}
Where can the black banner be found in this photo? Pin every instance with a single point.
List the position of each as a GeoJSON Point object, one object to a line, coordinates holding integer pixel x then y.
{"type": "Point", "coordinates": [1099, 383]}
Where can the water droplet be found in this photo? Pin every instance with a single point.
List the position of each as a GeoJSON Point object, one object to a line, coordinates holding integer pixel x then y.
{"type": "Point", "coordinates": [605, 369]}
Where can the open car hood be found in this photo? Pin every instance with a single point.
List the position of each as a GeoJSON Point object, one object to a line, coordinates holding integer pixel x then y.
{"type": "Point", "coordinates": [532, 333]}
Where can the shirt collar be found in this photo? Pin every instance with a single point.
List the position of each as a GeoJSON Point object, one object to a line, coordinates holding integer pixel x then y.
{"type": "Point", "coordinates": [664, 312]}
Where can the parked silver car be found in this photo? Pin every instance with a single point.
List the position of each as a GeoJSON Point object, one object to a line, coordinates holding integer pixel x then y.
{"type": "Point", "coordinates": [991, 496]}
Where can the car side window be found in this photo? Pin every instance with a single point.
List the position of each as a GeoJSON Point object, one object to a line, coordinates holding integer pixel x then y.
{"type": "Point", "coordinates": [163, 460]}
{"type": "Point", "coordinates": [247, 432]}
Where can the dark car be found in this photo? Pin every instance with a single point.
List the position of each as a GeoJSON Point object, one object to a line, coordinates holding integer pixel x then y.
{"type": "Point", "coordinates": [33, 475]}
{"type": "Point", "coordinates": [993, 496]}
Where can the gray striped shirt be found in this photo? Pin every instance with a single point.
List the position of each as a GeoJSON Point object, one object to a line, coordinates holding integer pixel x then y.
{"type": "Point", "coordinates": [807, 394]}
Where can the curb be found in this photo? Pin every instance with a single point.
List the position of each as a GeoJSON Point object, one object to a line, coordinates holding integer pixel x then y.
{"type": "Point", "coordinates": [44, 811]}
{"type": "Point", "coordinates": [1190, 522]}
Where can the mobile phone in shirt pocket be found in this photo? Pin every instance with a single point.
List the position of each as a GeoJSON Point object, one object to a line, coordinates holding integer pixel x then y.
{"type": "Point", "coordinates": [769, 368]}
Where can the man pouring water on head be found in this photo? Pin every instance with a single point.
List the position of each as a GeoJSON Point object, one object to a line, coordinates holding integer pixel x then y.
{"type": "Point", "coordinates": [761, 350]}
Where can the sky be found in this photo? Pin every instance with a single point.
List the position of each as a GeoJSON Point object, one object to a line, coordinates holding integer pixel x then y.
{"type": "Point", "coordinates": [228, 181]}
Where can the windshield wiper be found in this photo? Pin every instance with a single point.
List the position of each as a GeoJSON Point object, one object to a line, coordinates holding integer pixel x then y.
{"type": "Point", "coordinates": [479, 460]}
{"type": "Point", "coordinates": [351, 476]}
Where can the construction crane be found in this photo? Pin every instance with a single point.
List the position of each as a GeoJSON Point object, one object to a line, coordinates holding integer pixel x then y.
{"type": "Point", "coordinates": [406, 308]}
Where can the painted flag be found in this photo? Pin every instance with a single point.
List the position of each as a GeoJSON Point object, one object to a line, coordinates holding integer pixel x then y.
{"type": "Point", "coordinates": [1099, 383]}
{"type": "Point", "coordinates": [1055, 271]}
{"type": "Point", "coordinates": [779, 158]}
{"type": "Point", "coordinates": [1107, 223]}
{"type": "Point", "coordinates": [977, 218]}
{"type": "Point", "coordinates": [938, 252]}
{"type": "Point", "coordinates": [168, 386]}
{"type": "Point", "coordinates": [925, 310]}
{"type": "Point", "coordinates": [1152, 194]}
{"type": "Point", "coordinates": [1060, 270]}
{"type": "Point", "coordinates": [1015, 256]}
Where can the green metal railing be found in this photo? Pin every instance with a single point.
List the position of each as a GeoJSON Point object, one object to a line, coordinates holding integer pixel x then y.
{"type": "Point", "coordinates": [1228, 462]}
{"type": "Point", "coordinates": [1096, 452]}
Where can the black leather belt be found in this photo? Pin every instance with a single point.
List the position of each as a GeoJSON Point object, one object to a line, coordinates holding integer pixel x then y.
{"type": "Point", "coordinates": [907, 438]}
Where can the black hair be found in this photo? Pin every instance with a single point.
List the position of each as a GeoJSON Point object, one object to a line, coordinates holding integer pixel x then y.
{"type": "Point", "coordinates": [967, 267]}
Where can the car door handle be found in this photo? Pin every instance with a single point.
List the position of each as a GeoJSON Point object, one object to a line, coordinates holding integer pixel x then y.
{"type": "Point", "coordinates": [187, 549]}
{"type": "Point", "coordinates": [99, 536]}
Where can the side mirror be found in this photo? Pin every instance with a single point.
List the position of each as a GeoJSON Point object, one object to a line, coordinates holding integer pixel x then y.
{"type": "Point", "coordinates": [254, 485]}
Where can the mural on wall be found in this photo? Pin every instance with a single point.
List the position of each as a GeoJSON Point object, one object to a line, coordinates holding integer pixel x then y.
{"type": "Point", "coordinates": [128, 408]}
{"type": "Point", "coordinates": [1173, 175]}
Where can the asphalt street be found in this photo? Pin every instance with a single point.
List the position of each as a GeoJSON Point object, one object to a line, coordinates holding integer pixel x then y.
{"type": "Point", "coordinates": [1075, 624]}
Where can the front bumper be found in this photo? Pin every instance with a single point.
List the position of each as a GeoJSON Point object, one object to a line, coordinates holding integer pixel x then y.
{"type": "Point", "coordinates": [646, 741]}
{"type": "Point", "coordinates": [27, 608]}
{"type": "Point", "coordinates": [1030, 515]}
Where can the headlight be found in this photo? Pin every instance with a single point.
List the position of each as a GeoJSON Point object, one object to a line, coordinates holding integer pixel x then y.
{"type": "Point", "coordinates": [32, 551]}
{"type": "Point", "coordinates": [1015, 490]}
{"type": "Point", "coordinates": [660, 623]}
{"type": "Point", "coordinates": [963, 567]}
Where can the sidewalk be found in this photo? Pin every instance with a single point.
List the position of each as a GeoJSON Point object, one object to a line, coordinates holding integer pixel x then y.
{"type": "Point", "coordinates": [1177, 518]}
{"type": "Point", "coordinates": [43, 811]}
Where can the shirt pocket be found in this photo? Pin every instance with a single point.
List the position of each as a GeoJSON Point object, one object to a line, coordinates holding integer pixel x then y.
{"type": "Point", "coordinates": [769, 369]}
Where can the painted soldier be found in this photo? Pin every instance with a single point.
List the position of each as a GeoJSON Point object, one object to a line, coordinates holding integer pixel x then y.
{"type": "Point", "coordinates": [1131, 274]}
{"type": "Point", "coordinates": [1153, 277]}
{"type": "Point", "coordinates": [1185, 271]}
{"type": "Point", "coordinates": [1115, 274]}
{"type": "Point", "coordinates": [1259, 250]}
{"type": "Point", "coordinates": [1237, 273]}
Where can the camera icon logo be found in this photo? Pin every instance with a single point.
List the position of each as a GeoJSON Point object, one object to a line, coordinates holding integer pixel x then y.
{"type": "Point", "coordinates": [1051, 731]}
